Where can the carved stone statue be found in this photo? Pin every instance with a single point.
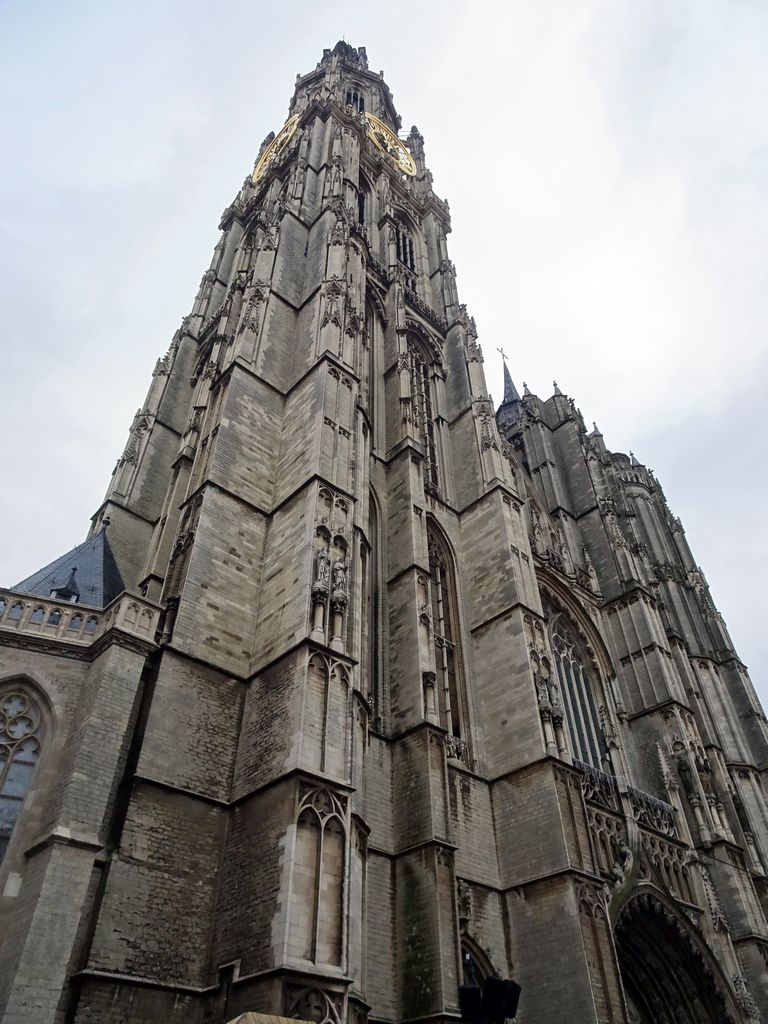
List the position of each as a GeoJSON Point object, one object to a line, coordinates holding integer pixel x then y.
{"type": "Point", "coordinates": [322, 571]}
{"type": "Point", "coordinates": [339, 594]}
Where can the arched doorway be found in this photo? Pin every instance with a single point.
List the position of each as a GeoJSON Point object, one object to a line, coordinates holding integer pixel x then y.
{"type": "Point", "coordinates": [476, 966]}
{"type": "Point", "coordinates": [669, 976]}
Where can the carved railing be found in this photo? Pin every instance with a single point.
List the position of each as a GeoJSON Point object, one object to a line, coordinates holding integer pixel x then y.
{"type": "Point", "coordinates": [648, 811]}
{"type": "Point", "coordinates": [426, 310]}
{"type": "Point", "coordinates": [652, 812]}
{"type": "Point", "coordinates": [597, 786]}
{"type": "Point", "coordinates": [41, 617]}
{"type": "Point", "coordinates": [76, 623]}
{"type": "Point", "coordinates": [378, 269]}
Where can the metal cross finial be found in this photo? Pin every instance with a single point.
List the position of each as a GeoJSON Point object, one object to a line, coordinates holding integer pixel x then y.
{"type": "Point", "coordinates": [503, 354]}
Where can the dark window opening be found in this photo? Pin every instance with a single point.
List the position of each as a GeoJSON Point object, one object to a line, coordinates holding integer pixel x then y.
{"type": "Point", "coordinates": [355, 99]}
{"type": "Point", "coordinates": [424, 416]}
{"type": "Point", "coordinates": [406, 254]}
{"type": "Point", "coordinates": [450, 688]}
{"type": "Point", "coordinates": [578, 694]}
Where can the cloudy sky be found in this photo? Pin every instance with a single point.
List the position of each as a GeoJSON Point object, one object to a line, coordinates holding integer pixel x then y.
{"type": "Point", "coordinates": [607, 169]}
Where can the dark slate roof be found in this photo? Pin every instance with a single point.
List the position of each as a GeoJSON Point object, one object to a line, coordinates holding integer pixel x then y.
{"type": "Point", "coordinates": [508, 412]}
{"type": "Point", "coordinates": [510, 391]}
{"type": "Point", "coordinates": [88, 571]}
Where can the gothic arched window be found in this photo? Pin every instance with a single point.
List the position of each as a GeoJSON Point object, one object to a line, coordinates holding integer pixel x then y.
{"type": "Point", "coordinates": [405, 248]}
{"type": "Point", "coordinates": [363, 199]}
{"type": "Point", "coordinates": [371, 640]}
{"type": "Point", "coordinates": [475, 965]}
{"type": "Point", "coordinates": [448, 668]}
{"type": "Point", "coordinates": [356, 99]}
{"type": "Point", "coordinates": [422, 403]}
{"type": "Point", "coordinates": [21, 729]}
{"type": "Point", "coordinates": [578, 694]}
{"type": "Point", "coordinates": [318, 879]}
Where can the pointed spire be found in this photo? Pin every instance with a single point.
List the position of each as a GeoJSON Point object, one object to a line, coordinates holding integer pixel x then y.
{"type": "Point", "coordinates": [510, 391]}
{"type": "Point", "coordinates": [557, 390]}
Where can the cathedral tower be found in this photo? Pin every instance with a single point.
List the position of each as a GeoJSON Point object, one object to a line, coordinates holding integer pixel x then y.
{"type": "Point", "coordinates": [360, 691]}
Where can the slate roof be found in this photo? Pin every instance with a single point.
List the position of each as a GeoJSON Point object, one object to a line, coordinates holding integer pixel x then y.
{"type": "Point", "coordinates": [508, 412]}
{"type": "Point", "coordinates": [88, 571]}
{"type": "Point", "coordinates": [510, 391]}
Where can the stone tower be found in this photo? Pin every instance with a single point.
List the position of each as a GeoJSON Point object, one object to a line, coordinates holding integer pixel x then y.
{"type": "Point", "coordinates": [359, 691]}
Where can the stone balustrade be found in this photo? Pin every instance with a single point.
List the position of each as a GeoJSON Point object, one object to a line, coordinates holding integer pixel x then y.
{"type": "Point", "coordinates": [648, 811]}
{"type": "Point", "coordinates": [77, 624]}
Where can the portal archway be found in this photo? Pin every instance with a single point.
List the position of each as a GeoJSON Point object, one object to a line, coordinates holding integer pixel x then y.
{"type": "Point", "coordinates": [669, 975]}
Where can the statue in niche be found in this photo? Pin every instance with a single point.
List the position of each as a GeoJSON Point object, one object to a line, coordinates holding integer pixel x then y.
{"type": "Point", "coordinates": [542, 691]}
{"type": "Point", "coordinates": [322, 571]}
{"type": "Point", "coordinates": [340, 578]}
{"type": "Point", "coordinates": [541, 681]}
{"type": "Point", "coordinates": [554, 694]}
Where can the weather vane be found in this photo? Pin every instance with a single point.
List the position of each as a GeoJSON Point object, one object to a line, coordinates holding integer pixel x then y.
{"type": "Point", "coordinates": [503, 354]}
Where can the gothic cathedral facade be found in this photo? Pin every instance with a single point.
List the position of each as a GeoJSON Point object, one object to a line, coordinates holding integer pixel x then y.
{"type": "Point", "coordinates": [360, 690]}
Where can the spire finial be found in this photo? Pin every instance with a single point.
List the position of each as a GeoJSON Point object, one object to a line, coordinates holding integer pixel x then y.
{"type": "Point", "coordinates": [557, 389]}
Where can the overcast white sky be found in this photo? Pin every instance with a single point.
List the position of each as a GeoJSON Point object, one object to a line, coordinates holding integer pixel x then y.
{"type": "Point", "coordinates": [606, 164]}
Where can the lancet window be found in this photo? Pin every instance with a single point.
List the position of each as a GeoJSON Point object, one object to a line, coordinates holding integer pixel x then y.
{"type": "Point", "coordinates": [577, 687]}
{"type": "Point", "coordinates": [318, 878]}
{"type": "Point", "coordinates": [364, 211]}
{"type": "Point", "coordinates": [21, 734]}
{"type": "Point", "coordinates": [371, 638]}
{"type": "Point", "coordinates": [355, 99]}
{"type": "Point", "coordinates": [406, 253]}
{"type": "Point", "coordinates": [449, 684]}
{"type": "Point", "coordinates": [423, 409]}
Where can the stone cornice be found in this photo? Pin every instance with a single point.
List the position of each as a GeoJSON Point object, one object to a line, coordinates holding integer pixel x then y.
{"type": "Point", "coordinates": [65, 837]}
{"type": "Point", "coordinates": [62, 648]}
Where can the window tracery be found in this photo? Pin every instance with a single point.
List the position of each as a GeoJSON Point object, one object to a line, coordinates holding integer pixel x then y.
{"type": "Point", "coordinates": [318, 877]}
{"type": "Point", "coordinates": [423, 411]}
{"type": "Point", "coordinates": [314, 1004]}
{"type": "Point", "coordinates": [405, 250]}
{"type": "Point", "coordinates": [578, 694]}
{"type": "Point", "coordinates": [21, 734]}
{"type": "Point", "coordinates": [449, 683]}
{"type": "Point", "coordinates": [356, 99]}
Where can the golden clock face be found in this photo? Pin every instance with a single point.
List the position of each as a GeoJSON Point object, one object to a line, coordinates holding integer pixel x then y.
{"type": "Point", "coordinates": [385, 139]}
{"type": "Point", "coordinates": [275, 148]}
